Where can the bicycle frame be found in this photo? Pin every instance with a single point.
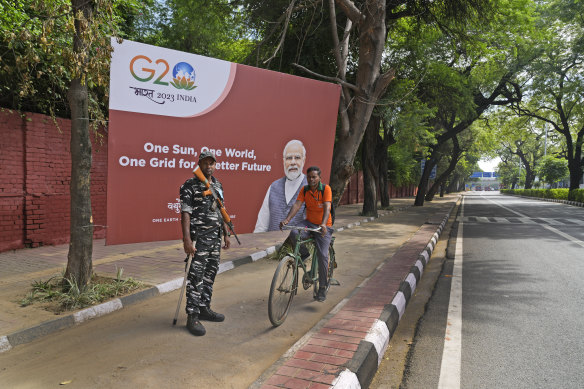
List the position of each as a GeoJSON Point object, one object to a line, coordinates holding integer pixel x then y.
{"type": "Point", "coordinates": [313, 272]}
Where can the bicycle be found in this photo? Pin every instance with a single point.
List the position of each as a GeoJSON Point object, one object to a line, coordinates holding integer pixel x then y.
{"type": "Point", "coordinates": [285, 281]}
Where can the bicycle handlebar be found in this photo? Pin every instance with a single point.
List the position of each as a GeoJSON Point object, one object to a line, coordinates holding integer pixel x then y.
{"type": "Point", "coordinates": [287, 227]}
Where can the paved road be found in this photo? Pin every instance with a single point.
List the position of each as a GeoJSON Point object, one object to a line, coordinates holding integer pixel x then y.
{"type": "Point", "coordinates": [518, 277]}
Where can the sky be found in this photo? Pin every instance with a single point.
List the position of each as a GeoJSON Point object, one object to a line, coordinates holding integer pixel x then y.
{"type": "Point", "coordinates": [490, 165]}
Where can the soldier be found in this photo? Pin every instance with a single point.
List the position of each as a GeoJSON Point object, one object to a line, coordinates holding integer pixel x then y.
{"type": "Point", "coordinates": [203, 224]}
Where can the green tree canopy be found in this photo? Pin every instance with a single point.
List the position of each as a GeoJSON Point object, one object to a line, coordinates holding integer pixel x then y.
{"type": "Point", "coordinates": [552, 169]}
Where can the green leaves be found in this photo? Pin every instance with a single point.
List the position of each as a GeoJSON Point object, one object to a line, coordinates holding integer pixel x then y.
{"type": "Point", "coordinates": [38, 60]}
{"type": "Point", "coordinates": [552, 169]}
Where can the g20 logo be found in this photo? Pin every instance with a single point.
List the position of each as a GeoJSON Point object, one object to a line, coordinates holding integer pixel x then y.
{"type": "Point", "coordinates": [183, 74]}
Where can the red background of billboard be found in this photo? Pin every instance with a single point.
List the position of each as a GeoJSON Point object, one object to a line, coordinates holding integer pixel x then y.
{"type": "Point", "coordinates": [262, 112]}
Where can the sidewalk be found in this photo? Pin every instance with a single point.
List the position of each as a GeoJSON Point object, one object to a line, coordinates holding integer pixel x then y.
{"type": "Point", "coordinates": [158, 264]}
{"type": "Point", "coordinates": [346, 347]}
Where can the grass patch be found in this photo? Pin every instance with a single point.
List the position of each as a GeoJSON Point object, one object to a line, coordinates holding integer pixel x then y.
{"type": "Point", "coordinates": [59, 294]}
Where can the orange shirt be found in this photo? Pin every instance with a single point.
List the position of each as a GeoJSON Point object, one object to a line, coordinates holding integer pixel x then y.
{"type": "Point", "coordinates": [314, 204]}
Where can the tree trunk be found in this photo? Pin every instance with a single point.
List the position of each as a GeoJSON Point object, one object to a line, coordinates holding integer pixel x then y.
{"type": "Point", "coordinates": [576, 165]}
{"type": "Point", "coordinates": [441, 181]}
{"type": "Point", "coordinates": [382, 161]}
{"type": "Point", "coordinates": [370, 171]}
{"type": "Point", "coordinates": [79, 264]}
{"type": "Point", "coordinates": [383, 182]}
{"type": "Point", "coordinates": [529, 172]}
{"type": "Point", "coordinates": [453, 185]}
{"type": "Point", "coordinates": [342, 165]}
{"type": "Point", "coordinates": [423, 185]}
{"type": "Point", "coordinates": [529, 178]}
{"type": "Point", "coordinates": [575, 175]}
{"type": "Point", "coordinates": [358, 101]}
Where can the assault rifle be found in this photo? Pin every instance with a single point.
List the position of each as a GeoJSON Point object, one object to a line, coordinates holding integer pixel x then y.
{"type": "Point", "coordinates": [211, 191]}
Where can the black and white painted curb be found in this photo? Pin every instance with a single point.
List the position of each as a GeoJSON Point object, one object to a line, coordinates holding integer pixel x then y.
{"type": "Point", "coordinates": [27, 335]}
{"type": "Point", "coordinates": [362, 368]}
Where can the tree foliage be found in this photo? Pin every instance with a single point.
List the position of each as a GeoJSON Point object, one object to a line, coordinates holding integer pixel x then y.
{"type": "Point", "coordinates": [468, 77]}
{"type": "Point", "coordinates": [39, 60]}
{"type": "Point", "coordinates": [552, 86]}
{"type": "Point", "coordinates": [552, 169]}
{"type": "Point", "coordinates": [212, 28]}
{"type": "Point", "coordinates": [355, 55]}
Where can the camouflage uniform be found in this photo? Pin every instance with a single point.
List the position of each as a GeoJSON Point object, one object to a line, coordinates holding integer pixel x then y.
{"type": "Point", "coordinates": [206, 231]}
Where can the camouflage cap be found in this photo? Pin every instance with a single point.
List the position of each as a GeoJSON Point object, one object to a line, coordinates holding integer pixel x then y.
{"type": "Point", "coordinates": [207, 154]}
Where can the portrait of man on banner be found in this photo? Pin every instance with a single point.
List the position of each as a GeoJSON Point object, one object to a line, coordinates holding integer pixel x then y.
{"type": "Point", "coordinates": [158, 124]}
{"type": "Point", "coordinates": [282, 193]}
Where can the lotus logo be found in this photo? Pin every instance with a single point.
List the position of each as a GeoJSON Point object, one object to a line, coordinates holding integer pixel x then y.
{"type": "Point", "coordinates": [183, 76]}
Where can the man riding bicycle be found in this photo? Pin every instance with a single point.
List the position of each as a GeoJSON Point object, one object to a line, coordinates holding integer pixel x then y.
{"type": "Point", "coordinates": [318, 199]}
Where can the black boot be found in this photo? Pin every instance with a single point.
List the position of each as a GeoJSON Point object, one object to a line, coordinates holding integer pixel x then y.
{"type": "Point", "coordinates": [194, 325]}
{"type": "Point", "coordinates": [208, 314]}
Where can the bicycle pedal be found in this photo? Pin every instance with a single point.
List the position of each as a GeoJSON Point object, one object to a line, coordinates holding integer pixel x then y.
{"type": "Point", "coordinates": [334, 282]}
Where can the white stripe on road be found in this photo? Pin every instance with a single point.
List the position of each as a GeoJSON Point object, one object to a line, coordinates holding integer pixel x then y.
{"type": "Point", "coordinates": [527, 220]}
{"type": "Point", "coordinates": [451, 355]}
{"type": "Point", "coordinates": [502, 220]}
{"type": "Point", "coordinates": [569, 237]}
{"type": "Point", "coordinates": [552, 229]}
{"type": "Point", "coordinates": [576, 221]}
{"type": "Point", "coordinates": [547, 220]}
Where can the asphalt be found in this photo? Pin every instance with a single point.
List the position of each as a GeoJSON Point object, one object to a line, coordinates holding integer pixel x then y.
{"type": "Point", "coordinates": [380, 301]}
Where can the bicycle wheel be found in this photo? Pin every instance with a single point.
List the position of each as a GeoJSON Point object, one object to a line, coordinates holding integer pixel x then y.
{"type": "Point", "coordinates": [316, 281]}
{"type": "Point", "coordinates": [282, 290]}
{"type": "Point", "coordinates": [332, 264]}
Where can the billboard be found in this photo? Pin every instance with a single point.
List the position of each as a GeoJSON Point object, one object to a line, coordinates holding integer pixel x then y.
{"type": "Point", "coordinates": [167, 106]}
{"type": "Point", "coordinates": [484, 175]}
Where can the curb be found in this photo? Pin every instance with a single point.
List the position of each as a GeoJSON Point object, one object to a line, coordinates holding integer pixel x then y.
{"type": "Point", "coordinates": [361, 369]}
{"type": "Point", "coordinates": [27, 335]}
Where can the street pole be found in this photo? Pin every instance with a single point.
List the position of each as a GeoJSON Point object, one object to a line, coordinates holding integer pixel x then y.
{"type": "Point", "coordinates": [545, 142]}
{"type": "Point", "coordinates": [519, 178]}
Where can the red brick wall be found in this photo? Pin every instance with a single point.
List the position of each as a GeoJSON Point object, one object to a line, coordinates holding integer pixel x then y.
{"type": "Point", "coordinates": [11, 181]}
{"type": "Point", "coordinates": [354, 192]}
{"type": "Point", "coordinates": [35, 166]}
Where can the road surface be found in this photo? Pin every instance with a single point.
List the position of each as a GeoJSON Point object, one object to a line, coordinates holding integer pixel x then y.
{"type": "Point", "coordinates": [507, 311]}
